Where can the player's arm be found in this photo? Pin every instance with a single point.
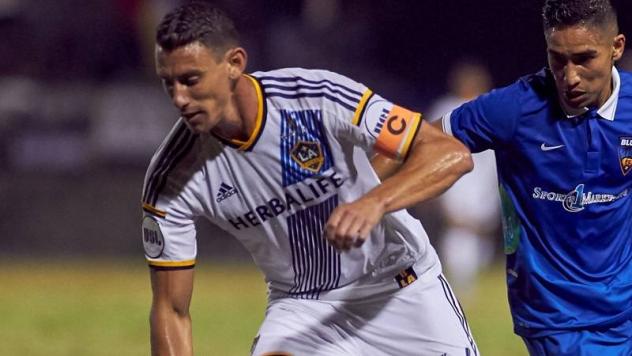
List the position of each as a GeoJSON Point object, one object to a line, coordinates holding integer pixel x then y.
{"type": "Point", "coordinates": [170, 322]}
{"type": "Point", "coordinates": [435, 161]}
{"type": "Point", "coordinates": [386, 167]}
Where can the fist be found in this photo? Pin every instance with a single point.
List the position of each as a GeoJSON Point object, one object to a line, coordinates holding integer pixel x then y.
{"type": "Point", "coordinates": [349, 225]}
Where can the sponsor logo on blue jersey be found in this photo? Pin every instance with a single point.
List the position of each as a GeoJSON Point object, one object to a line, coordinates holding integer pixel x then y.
{"type": "Point", "coordinates": [625, 154]}
{"type": "Point", "coordinates": [577, 199]}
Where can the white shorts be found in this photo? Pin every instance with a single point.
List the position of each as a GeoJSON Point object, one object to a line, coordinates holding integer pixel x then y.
{"type": "Point", "coordinates": [423, 318]}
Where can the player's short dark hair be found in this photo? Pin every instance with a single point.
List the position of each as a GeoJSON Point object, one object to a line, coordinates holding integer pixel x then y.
{"type": "Point", "coordinates": [197, 21]}
{"type": "Point", "coordinates": [564, 13]}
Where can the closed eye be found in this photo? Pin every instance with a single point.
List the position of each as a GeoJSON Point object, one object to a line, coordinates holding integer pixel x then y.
{"type": "Point", "coordinates": [583, 58]}
{"type": "Point", "coordinates": [190, 80]}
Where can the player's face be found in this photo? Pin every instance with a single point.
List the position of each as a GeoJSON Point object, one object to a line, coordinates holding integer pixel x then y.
{"type": "Point", "coordinates": [581, 59]}
{"type": "Point", "coordinates": [199, 85]}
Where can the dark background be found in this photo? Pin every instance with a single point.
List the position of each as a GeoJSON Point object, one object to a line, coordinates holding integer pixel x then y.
{"type": "Point", "coordinates": [81, 111]}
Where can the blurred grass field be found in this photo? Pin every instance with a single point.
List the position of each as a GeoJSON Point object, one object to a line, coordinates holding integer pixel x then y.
{"type": "Point", "coordinates": [101, 308]}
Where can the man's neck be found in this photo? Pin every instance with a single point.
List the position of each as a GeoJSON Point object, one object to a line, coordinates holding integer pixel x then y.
{"type": "Point", "coordinates": [240, 119]}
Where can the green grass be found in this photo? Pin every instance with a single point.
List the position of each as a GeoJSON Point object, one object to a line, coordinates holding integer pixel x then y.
{"type": "Point", "coordinates": [101, 308]}
{"type": "Point", "coordinates": [487, 312]}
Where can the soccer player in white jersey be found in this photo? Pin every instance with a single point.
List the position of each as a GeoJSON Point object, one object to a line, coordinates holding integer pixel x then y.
{"type": "Point", "coordinates": [280, 160]}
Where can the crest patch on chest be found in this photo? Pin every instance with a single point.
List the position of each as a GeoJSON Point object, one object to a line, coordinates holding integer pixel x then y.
{"type": "Point", "coordinates": [625, 154]}
{"type": "Point", "coordinates": [308, 155]}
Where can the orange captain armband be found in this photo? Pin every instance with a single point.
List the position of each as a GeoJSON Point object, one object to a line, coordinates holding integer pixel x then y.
{"type": "Point", "coordinates": [396, 129]}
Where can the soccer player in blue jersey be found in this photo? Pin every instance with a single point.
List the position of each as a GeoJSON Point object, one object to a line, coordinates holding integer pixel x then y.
{"type": "Point", "coordinates": [279, 159]}
{"type": "Point", "coordinates": [563, 142]}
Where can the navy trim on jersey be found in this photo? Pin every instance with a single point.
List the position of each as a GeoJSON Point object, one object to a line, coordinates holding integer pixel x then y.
{"type": "Point", "coordinates": [165, 156]}
{"type": "Point", "coordinates": [316, 264]}
{"type": "Point", "coordinates": [176, 160]}
{"type": "Point", "coordinates": [456, 306]}
{"type": "Point", "coordinates": [173, 155]}
{"type": "Point", "coordinates": [366, 104]}
{"type": "Point", "coordinates": [298, 87]}
{"type": "Point", "coordinates": [296, 79]}
{"type": "Point", "coordinates": [313, 95]}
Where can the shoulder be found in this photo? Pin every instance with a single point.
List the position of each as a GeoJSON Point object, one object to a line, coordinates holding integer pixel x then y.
{"type": "Point", "coordinates": [176, 157]}
{"type": "Point", "coordinates": [178, 141]}
{"type": "Point", "coordinates": [626, 83]}
{"type": "Point", "coordinates": [625, 74]}
{"type": "Point", "coordinates": [311, 86]}
{"type": "Point", "coordinates": [539, 84]}
{"type": "Point", "coordinates": [300, 73]}
{"type": "Point", "coordinates": [308, 77]}
{"type": "Point", "coordinates": [529, 93]}
{"type": "Point", "coordinates": [502, 110]}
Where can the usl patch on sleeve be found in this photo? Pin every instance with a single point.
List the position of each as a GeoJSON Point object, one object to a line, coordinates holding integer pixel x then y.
{"type": "Point", "coordinates": [153, 241]}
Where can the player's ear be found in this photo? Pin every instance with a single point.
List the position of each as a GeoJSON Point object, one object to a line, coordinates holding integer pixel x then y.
{"type": "Point", "coordinates": [237, 58]}
{"type": "Point", "coordinates": [618, 46]}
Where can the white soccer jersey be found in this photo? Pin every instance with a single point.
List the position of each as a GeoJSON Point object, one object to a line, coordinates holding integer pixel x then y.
{"type": "Point", "coordinates": [274, 193]}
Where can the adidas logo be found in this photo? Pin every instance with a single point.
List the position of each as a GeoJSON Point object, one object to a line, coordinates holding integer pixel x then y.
{"type": "Point", "coordinates": [225, 192]}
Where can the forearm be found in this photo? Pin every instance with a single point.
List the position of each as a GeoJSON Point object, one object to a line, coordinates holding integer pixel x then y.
{"type": "Point", "coordinates": [170, 332]}
{"type": "Point", "coordinates": [430, 170]}
{"type": "Point", "coordinates": [170, 322]}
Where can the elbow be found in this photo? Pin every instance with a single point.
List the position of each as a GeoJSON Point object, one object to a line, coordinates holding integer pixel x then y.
{"type": "Point", "coordinates": [462, 159]}
{"type": "Point", "coordinates": [466, 161]}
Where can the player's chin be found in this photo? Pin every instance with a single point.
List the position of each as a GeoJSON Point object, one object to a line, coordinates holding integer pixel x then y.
{"type": "Point", "coordinates": [195, 127]}
{"type": "Point", "coordinates": [579, 101]}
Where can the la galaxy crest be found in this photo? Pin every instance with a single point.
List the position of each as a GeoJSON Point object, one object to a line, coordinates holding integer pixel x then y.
{"type": "Point", "coordinates": [305, 151]}
{"type": "Point", "coordinates": [625, 154]}
{"type": "Point", "coordinates": [308, 155]}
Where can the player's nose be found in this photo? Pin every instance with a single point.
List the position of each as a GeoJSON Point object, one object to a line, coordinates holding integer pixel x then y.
{"type": "Point", "coordinates": [571, 76]}
{"type": "Point", "coordinates": [179, 96]}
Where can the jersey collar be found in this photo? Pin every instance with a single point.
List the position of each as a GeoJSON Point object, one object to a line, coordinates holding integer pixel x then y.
{"type": "Point", "coordinates": [608, 109]}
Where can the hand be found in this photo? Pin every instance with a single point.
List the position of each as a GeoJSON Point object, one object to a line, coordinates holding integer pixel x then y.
{"type": "Point", "coordinates": [349, 225]}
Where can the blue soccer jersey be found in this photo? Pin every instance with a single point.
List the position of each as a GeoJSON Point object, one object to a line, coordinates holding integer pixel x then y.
{"type": "Point", "coordinates": [565, 184]}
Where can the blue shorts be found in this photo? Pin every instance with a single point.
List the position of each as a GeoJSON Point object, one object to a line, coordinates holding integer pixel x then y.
{"type": "Point", "coordinates": [616, 341]}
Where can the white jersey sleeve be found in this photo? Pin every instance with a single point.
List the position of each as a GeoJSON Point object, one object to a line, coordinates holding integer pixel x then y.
{"type": "Point", "coordinates": [169, 205]}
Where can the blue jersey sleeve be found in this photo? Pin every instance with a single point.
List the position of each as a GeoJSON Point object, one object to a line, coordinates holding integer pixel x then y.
{"type": "Point", "coordinates": [487, 122]}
